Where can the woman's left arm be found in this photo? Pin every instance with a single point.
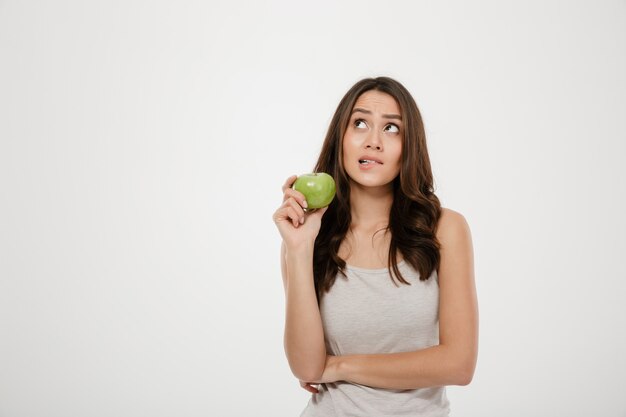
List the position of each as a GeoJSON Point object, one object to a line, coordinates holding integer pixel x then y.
{"type": "Point", "coordinates": [453, 361]}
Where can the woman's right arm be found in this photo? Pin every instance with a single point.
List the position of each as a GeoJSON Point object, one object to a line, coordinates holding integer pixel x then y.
{"type": "Point", "coordinates": [304, 334]}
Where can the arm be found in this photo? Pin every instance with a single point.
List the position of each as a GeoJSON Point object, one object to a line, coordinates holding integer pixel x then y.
{"type": "Point", "coordinates": [304, 343]}
{"type": "Point", "coordinates": [304, 335]}
{"type": "Point", "coordinates": [453, 361]}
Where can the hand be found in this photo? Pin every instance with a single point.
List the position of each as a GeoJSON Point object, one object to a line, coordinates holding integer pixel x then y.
{"type": "Point", "coordinates": [296, 226]}
{"type": "Point", "coordinates": [309, 387]}
{"type": "Point", "coordinates": [331, 374]}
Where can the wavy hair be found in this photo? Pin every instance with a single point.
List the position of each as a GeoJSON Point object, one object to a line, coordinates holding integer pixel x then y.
{"type": "Point", "coordinates": [415, 210]}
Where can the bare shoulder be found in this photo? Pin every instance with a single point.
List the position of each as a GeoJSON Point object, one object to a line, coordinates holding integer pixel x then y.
{"type": "Point", "coordinates": [452, 226]}
{"type": "Point", "coordinates": [454, 236]}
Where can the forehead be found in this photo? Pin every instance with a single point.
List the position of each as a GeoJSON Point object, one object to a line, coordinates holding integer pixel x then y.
{"type": "Point", "coordinates": [378, 102]}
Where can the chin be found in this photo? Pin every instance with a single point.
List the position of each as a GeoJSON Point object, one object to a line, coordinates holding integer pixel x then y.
{"type": "Point", "coordinates": [371, 182]}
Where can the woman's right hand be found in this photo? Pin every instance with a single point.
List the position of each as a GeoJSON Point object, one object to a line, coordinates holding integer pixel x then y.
{"type": "Point", "coordinates": [296, 226]}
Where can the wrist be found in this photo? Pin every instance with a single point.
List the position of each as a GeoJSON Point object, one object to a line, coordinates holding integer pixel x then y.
{"type": "Point", "coordinates": [300, 249]}
{"type": "Point", "coordinates": [338, 365]}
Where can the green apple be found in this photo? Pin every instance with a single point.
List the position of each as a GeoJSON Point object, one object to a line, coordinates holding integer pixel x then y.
{"type": "Point", "coordinates": [318, 189]}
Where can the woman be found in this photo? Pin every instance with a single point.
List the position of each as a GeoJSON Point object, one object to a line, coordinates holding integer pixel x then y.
{"type": "Point", "coordinates": [381, 308]}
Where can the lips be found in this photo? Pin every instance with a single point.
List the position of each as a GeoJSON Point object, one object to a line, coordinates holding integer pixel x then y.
{"type": "Point", "coordinates": [366, 159]}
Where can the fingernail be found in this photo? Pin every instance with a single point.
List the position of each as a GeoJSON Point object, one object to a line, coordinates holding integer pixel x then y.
{"type": "Point", "coordinates": [301, 220]}
{"type": "Point", "coordinates": [304, 204]}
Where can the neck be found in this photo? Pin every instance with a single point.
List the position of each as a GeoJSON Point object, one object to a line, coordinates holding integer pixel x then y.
{"type": "Point", "coordinates": [370, 206]}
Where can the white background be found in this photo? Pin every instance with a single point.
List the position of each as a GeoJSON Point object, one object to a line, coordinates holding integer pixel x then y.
{"type": "Point", "coordinates": [144, 145]}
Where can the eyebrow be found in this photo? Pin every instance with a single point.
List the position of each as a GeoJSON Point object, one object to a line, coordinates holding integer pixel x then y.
{"type": "Point", "coordinates": [386, 116]}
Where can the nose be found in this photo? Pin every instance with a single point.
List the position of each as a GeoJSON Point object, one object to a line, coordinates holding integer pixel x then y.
{"type": "Point", "coordinates": [374, 142]}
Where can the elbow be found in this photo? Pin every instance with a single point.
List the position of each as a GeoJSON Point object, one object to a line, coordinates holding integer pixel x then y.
{"type": "Point", "coordinates": [307, 375]}
{"type": "Point", "coordinates": [465, 378]}
{"type": "Point", "coordinates": [462, 365]}
{"type": "Point", "coordinates": [306, 366]}
{"type": "Point", "coordinates": [307, 370]}
{"type": "Point", "coordinates": [464, 374]}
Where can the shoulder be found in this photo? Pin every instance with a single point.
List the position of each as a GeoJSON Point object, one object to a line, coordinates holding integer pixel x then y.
{"type": "Point", "coordinates": [451, 224]}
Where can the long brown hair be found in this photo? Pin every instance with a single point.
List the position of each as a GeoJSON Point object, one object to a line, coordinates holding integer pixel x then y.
{"type": "Point", "coordinates": [415, 210]}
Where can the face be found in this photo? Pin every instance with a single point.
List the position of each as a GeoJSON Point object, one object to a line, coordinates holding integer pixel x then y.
{"type": "Point", "coordinates": [372, 144]}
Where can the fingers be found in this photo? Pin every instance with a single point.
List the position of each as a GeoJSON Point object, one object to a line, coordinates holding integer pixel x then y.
{"type": "Point", "coordinates": [290, 192]}
{"type": "Point", "coordinates": [293, 215]}
{"type": "Point", "coordinates": [307, 386]}
{"type": "Point", "coordinates": [285, 212]}
{"type": "Point", "coordinates": [297, 209]}
{"type": "Point", "coordinates": [296, 195]}
{"type": "Point", "coordinates": [289, 182]}
{"type": "Point", "coordinates": [290, 211]}
{"type": "Point", "coordinates": [295, 198]}
{"type": "Point", "coordinates": [311, 389]}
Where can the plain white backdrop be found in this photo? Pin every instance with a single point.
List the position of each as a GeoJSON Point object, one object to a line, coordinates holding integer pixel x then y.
{"type": "Point", "coordinates": [144, 145]}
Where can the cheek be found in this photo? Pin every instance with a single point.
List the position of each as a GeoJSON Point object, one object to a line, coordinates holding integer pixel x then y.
{"type": "Point", "coordinates": [345, 148]}
{"type": "Point", "coordinates": [398, 152]}
{"type": "Point", "coordinates": [348, 144]}
{"type": "Point", "coordinates": [397, 149]}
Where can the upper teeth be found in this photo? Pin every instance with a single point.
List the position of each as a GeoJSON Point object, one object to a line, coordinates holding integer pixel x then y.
{"type": "Point", "coordinates": [366, 160]}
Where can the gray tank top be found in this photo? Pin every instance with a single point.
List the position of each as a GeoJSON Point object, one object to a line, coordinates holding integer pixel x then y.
{"type": "Point", "coordinates": [367, 313]}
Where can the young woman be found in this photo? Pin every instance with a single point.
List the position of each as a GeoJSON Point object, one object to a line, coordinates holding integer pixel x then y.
{"type": "Point", "coordinates": [381, 306]}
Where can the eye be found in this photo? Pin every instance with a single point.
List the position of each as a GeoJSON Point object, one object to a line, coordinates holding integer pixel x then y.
{"type": "Point", "coordinates": [392, 128]}
{"type": "Point", "coordinates": [359, 122]}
